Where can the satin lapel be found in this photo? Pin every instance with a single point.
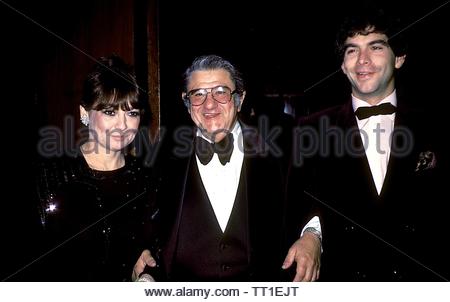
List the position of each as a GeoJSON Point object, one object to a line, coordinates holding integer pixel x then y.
{"type": "Point", "coordinates": [252, 155]}
{"type": "Point", "coordinates": [395, 158]}
{"type": "Point", "coordinates": [265, 202]}
{"type": "Point", "coordinates": [177, 171]}
{"type": "Point", "coordinates": [356, 159]}
{"type": "Point", "coordinates": [253, 152]}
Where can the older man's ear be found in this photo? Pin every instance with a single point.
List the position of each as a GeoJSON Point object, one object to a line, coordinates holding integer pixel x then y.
{"type": "Point", "coordinates": [239, 100]}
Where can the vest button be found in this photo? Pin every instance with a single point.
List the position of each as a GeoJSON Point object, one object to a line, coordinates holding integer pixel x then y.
{"type": "Point", "coordinates": [223, 246]}
{"type": "Point", "coordinates": [225, 267]}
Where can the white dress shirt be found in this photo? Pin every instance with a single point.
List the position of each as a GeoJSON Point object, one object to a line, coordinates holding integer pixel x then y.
{"type": "Point", "coordinates": [221, 182]}
{"type": "Point", "coordinates": [376, 135]}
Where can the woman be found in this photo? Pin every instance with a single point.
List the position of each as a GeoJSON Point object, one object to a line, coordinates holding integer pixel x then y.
{"type": "Point", "coordinates": [95, 206]}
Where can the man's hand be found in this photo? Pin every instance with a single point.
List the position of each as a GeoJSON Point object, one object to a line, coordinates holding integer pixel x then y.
{"type": "Point", "coordinates": [306, 252]}
{"type": "Point", "coordinates": [145, 259]}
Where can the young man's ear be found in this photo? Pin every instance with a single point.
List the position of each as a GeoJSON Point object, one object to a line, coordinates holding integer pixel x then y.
{"type": "Point", "coordinates": [399, 61]}
{"type": "Point", "coordinates": [344, 70]}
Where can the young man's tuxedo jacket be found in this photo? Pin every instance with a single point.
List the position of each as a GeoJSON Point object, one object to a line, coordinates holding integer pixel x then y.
{"type": "Point", "coordinates": [366, 236]}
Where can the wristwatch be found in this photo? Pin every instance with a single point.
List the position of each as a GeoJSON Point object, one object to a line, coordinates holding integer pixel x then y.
{"type": "Point", "coordinates": [315, 232]}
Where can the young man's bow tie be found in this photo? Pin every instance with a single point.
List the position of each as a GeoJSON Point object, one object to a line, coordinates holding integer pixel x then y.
{"type": "Point", "coordinates": [366, 112]}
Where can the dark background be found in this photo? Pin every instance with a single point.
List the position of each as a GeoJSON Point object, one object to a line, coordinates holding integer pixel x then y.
{"type": "Point", "coordinates": [285, 50]}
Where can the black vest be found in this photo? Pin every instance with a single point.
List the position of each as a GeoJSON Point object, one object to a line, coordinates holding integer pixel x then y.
{"type": "Point", "coordinates": [203, 251]}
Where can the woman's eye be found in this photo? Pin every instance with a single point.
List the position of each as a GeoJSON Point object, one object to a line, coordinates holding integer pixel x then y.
{"type": "Point", "coordinates": [109, 112]}
{"type": "Point", "coordinates": [134, 113]}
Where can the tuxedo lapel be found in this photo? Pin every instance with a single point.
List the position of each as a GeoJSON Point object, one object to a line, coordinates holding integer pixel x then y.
{"type": "Point", "coordinates": [265, 205]}
{"type": "Point", "coordinates": [398, 161]}
{"type": "Point", "coordinates": [252, 149]}
{"type": "Point", "coordinates": [260, 181]}
{"type": "Point", "coordinates": [355, 159]}
{"type": "Point", "coordinates": [175, 174]}
{"type": "Point", "coordinates": [253, 158]}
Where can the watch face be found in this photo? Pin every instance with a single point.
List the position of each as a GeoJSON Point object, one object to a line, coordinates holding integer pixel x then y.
{"type": "Point", "coordinates": [315, 232]}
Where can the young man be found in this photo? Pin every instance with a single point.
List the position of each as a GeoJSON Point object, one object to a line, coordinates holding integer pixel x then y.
{"type": "Point", "coordinates": [372, 168]}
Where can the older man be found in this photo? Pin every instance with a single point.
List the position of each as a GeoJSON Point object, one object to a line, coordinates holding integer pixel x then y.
{"type": "Point", "coordinates": [222, 193]}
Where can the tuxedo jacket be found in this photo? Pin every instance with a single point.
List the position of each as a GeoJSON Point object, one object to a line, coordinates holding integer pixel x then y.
{"type": "Point", "coordinates": [265, 208]}
{"type": "Point", "coordinates": [366, 236]}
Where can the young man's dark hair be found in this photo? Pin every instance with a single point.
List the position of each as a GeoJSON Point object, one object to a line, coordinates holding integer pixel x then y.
{"type": "Point", "coordinates": [372, 21]}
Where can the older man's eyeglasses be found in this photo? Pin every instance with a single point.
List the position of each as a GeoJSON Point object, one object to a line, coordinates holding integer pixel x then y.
{"type": "Point", "coordinates": [221, 94]}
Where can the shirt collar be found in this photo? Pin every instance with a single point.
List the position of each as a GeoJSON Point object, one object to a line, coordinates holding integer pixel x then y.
{"type": "Point", "coordinates": [392, 98]}
{"type": "Point", "coordinates": [236, 131]}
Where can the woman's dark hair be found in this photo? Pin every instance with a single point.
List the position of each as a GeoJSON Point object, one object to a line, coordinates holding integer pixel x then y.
{"type": "Point", "coordinates": [111, 84]}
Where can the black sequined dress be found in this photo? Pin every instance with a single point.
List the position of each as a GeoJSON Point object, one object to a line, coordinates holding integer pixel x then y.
{"type": "Point", "coordinates": [95, 223]}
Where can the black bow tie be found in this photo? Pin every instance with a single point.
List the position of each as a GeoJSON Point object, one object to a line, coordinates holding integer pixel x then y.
{"type": "Point", "coordinates": [383, 109]}
{"type": "Point", "coordinates": [205, 150]}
